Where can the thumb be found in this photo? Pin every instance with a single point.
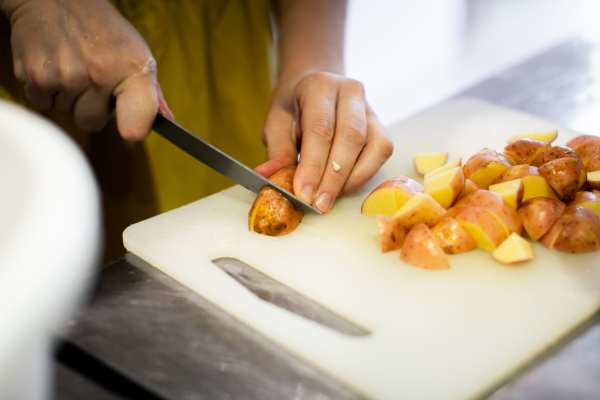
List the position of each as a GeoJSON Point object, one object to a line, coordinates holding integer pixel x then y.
{"type": "Point", "coordinates": [138, 99]}
{"type": "Point", "coordinates": [280, 138]}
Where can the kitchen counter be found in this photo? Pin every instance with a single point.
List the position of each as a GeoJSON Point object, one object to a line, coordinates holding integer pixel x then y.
{"type": "Point", "coordinates": [145, 336]}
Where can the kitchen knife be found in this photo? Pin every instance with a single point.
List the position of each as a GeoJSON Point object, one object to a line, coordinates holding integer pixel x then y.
{"type": "Point", "coordinates": [220, 161]}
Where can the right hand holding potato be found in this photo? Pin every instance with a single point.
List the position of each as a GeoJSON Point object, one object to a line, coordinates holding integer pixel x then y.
{"type": "Point", "coordinates": [75, 56]}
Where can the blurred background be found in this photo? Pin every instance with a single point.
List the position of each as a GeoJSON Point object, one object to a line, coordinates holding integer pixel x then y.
{"type": "Point", "coordinates": [412, 53]}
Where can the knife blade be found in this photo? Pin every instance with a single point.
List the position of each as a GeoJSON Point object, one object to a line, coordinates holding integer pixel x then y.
{"type": "Point", "coordinates": [220, 161]}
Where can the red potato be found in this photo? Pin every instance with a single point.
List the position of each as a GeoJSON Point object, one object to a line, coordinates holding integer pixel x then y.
{"type": "Point", "coordinates": [421, 249]}
{"type": "Point", "coordinates": [563, 176]}
{"type": "Point", "coordinates": [485, 168]}
{"type": "Point", "coordinates": [593, 179]}
{"type": "Point", "coordinates": [582, 140]}
{"type": "Point", "coordinates": [576, 231]}
{"type": "Point", "coordinates": [390, 195]}
{"type": "Point", "coordinates": [451, 237]}
{"type": "Point", "coordinates": [588, 149]}
{"type": "Point", "coordinates": [271, 213]}
{"type": "Point", "coordinates": [391, 233]}
{"type": "Point", "coordinates": [493, 203]}
{"type": "Point", "coordinates": [556, 152]}
{"type": "Point", "coordinates": [539, 215]}
{"type": "Point", "coordinates": [483, 226]}
{"type": "Point", "coordinates": [525, 151]}
{"type": "Point", "coordinates": [445, 186]}
{"type": "Point", "coordinates": [517, 172]}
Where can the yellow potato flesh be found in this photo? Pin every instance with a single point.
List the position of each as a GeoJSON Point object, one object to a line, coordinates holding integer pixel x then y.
{"type": "Point", "coordinates": [544, 136]}
{"type": "Point", "coordinates": [385, 201]}
{"type": "Point", "coordinates": [484, 227]}
{"type": "Point", "coordinates": [488, 174]}
{"type": "Point", "coordinates": [420, 208]}
{"type": "Point", "coordinates": [536, 186]}
{"type": "Point", "coordinates": [513, 250]}
{"type": "Point", "coordinates": [510, 191]}
{"type": "Point", "coordinates": [593, 179]}
{"type": "Point", "coordinates": [445, 186]}
{"type": "Point", "coordinates": [482, 240]}
{"type": "Point", "coordinates": [427, 162]}
{"type": "Point", "coordinates": [450, 165]}
{"type": "Point", "coordinates": [592, 205]}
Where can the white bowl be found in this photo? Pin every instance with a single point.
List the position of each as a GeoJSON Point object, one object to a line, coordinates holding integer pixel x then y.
{"type": "Point", "coordinates": [49, 241]}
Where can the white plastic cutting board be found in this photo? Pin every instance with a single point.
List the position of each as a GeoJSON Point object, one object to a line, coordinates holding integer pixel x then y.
{"type": "Point", "coordinates": [450, 334]}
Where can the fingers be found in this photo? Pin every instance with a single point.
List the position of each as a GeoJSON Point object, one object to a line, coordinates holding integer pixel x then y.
{"type": "Point", "coordinates": [350, 138]}
{"type": "Point", "coordinates": [92, 109]}
{"type": "Point", "coordinates": [137, 104]}
{"type": "Point", "coordinates": [376, 152]}
{"type": "Point", "coordinates": [280, 138]}
{"type": "Point", "coordinates": [317, 100]}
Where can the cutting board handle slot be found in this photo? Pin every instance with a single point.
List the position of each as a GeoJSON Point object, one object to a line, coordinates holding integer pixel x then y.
{"type": "Point", "coordinates": [274, 292]}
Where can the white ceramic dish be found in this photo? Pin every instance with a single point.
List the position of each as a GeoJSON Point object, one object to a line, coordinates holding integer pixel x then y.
{"type": "Point", "coordinates": [49, 241]}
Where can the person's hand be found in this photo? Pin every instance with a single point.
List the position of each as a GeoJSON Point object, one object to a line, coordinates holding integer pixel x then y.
{"type": "Point", "coordinates": [77, 56]}
{"type": "Point", "coordinates": [342, 143]}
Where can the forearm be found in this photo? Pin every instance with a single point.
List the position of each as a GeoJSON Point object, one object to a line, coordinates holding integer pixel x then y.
{"type": "Point", "coordinates": [311, 37]}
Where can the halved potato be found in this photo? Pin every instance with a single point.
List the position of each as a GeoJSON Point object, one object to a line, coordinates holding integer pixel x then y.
{"type": "Point", "coordinates": [563, 176]}
{"type": "Point", "coordinates": [486, 230]}
{"type": "Point", "coordinates": [451, 237]}
{"type": "Point", "coordinates": [513, 250]}
{"type": "Point", "coordinates": [390, 195]}
{"type": "Point", "coordinates": [539, 214]}
{"type": "Point", "coordinates": [556, 152]}
{"type": "Point", "coordinates": [468, 188]}
{"type": "Point", "coordinates": [422, 250]}
{"type": "Point", "coordinates": [420, 208]}
{"type": "Point", "coordinates": [271, 213]}
{"type": "Point", "coordinates": [445, 167]}
{"type": "Point", "coordinates": [589, 200]}
{"type": "Point", "coordinates": [427, 162]}
{"type": "Point", "coordinates": [493, 203]}
{"type": "Point", "coordinates": [485, 168]}
{"type": "Point", "coordinates": [525, 151]}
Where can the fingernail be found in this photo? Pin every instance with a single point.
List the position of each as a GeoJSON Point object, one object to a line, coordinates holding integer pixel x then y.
{"type": "Point", "coordinates": [307, 193]}
{"type": "Point", "coordinates": [323, 202]}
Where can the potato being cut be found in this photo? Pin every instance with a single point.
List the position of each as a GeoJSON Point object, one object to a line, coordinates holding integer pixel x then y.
{"type": "Point", "coordinates": [445, 167]}
{"type": "Point", "coordinates": [427, 162]}
{"type": "Point", "coordinates": [513, 250]}
{"type": "Point", "coordinates": [485, 167]}
{"type": "Point", "coordinates": [451, 237]}
{"type": "Point", "coordinates": [593, 179]}
{"type": "Point", "coordinates": [486, 229]}
{"type": "Point", "coordinates": [542, 136]}
{"type": "Point", "coordinates": [390, 195]}
{"type": "Point", "coordinates": [525, 151]}
{"type": "Point", "coordinates": [539, 214]}
{"type": "Point", "coordinates": [563, 176]}
{"type": "Point", "coordinates": [576, 231]}
{"type": "Point", "coordinates": [445, 186]}
{"type": "Point", "coordinates": [420, 208]}
{"type": "Point", "coordinates": [536, 186]}
{"type": "Point", "coordinates": [510, 191]}
{"type": "Point", "coordinates": [391, 233]}
{"type": "Point", "coordinates": [271, 213]}
{"type": "Point", "coordinates": [422, 250]}
{"type": "Point", "coordinates": [518, 171]}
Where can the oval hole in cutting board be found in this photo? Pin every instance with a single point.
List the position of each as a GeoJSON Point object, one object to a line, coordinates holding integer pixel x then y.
{"type": "Point", "coordinates": [282, 296]}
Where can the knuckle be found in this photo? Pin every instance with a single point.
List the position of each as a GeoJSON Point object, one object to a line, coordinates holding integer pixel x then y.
{"type": "Point", "coordinates": [317, 79]}
{"type": "Point", "coordinates": [355, 86]}
{"type": "Point", "coordinates": [353, 134]}
{"type": "Point", "coordinates": [322, 129]}
{"type": "Point", "coordinates": [72, 79]}
{"type": "Point", "coordinates": [385, 147]}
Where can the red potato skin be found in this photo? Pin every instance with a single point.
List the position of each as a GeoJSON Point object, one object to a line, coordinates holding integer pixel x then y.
{"type": "Point", "coordinates": [538, 215]}
{"type": "Point", "coordinates": [556, 152]}
{"type": "Point", "coordinates": [422, 250]}
{"type": "Point", "coordinates": [584, 196]}
{"type": "Point", "coordinates": [587, 148]}
{"type": "Point", "coordinates": [491, 202]}
{"type": "Point", "coordinates": [576, 231]}
{"type": "Point", "coordinates": [391, 233]}
{"type": "Point", "coordinates": [451, 237]}
{"type": "Point", "coordinates": [525, 151]}
{"type": "Point", "coordinates": [563, 176]}
{"type": "Point", "coordinates": [401, 181]}
{"type": "Point", "coordinates": [582, 140]}
{"type": "Point", "coordinates": [518, 171]}
{"type": "Point", "coordinates": [271, 213]}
